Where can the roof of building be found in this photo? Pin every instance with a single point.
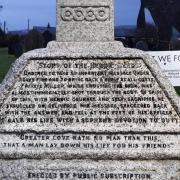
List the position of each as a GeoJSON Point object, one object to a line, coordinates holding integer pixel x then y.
{"type": "Point", "coordinates": [42, 29]}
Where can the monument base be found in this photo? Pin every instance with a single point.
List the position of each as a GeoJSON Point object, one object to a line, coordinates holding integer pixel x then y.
{"type": "Point", "coordinates": [88, 111]}
{"type": "Point", "coordinates": [88, 169]}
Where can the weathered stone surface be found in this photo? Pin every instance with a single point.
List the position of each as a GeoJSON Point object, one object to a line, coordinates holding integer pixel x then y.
{"type": "Point", "coordinates": [162, 129]}
{"type": "Point", "coordinates": [88, 169]}
{"type": "Point", "coordinates": [84, 20]}
{"type": "Point", "coordinates": [88, 95]}
{"type": "Point", "coordinates": [90, 145]}
{"type": "Point", "coordinates": [110, 107]}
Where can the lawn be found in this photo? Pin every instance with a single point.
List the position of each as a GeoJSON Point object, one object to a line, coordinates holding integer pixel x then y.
{"type": "Point", "coordinates": [6, 60]}
{"type": "Point", "coordinates": [178, 90]}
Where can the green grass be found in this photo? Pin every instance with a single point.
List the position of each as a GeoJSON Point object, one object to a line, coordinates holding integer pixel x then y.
{"type": "Point", "coordinates": [5, 62]}
{"type": "Point", "coordinates": [177, 90]}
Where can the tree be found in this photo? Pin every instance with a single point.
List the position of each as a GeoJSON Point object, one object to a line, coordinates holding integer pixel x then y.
{"type": "Point", "coordinates": [33, 40]}
{"type": "Point", "coordinates": [165, 15]}
{"type": "Point", "coordinates": [48, 36]}
{"type": "Point", "coordinates": [3, 39]}
{"type": "Point", "coordinates": [148, 35]}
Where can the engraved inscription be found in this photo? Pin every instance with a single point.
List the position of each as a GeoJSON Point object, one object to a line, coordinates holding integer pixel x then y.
{"type": "Point", "coordinates": [90, 170]}
{"type": "Point", "coordinates": [95, 145]}
{"type": "Point", "coordinates": [88, 95]}
{"type": "Point", "coordinates": [85, 13]}
{"type": "Point", "coordinates": [89, 174]}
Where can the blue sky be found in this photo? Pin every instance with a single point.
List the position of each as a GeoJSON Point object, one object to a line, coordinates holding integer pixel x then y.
{"type": "Point", "coordinates": [40, 12]}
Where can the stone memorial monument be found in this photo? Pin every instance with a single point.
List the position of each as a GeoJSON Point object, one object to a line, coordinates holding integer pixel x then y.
{"type": "Point", "coordinates": [88, 108]}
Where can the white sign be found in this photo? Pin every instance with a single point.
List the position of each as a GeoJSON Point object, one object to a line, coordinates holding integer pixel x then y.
{"type": "Point", "coordinates": [169, 62]}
